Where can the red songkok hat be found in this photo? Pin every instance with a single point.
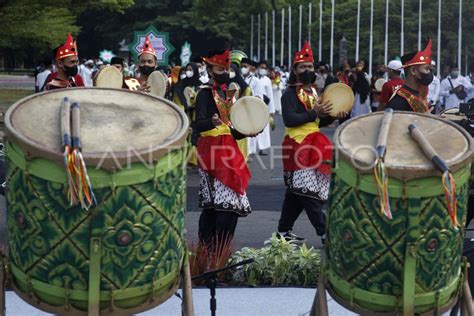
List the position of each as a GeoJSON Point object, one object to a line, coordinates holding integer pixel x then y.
{"type": "Point", "coordinates": [305, 55]}
{"type": "Point", "coordinates": [217, 59]}
{"type": "Point", "coordinates": [418, 58]}
{"type": "Point", "coordinates": [68, 49]}
{"type": "Point", "coordinates": [147, 47]}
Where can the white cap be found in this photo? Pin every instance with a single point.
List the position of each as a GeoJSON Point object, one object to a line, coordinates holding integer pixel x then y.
{"type": "Point", "coordinates": [395, 65]}
{"type": "Point", "coordinates": [89, 62]}
{"type": "Point", "coordinates": [433, 63]}
{"type": "Point", "coordinates": [99, 63]}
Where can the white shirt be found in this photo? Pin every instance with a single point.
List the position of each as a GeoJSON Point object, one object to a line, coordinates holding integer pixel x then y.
{"type": "Point", "coordinates": [267, 86]}
{"type": "Point", "coordinates": [86, 75]}
{"type": "Point", "coordinates": [433, 90]}
{"type": "Point", "coordinates": [41, 78]}
{"type": "Point", "coordinates": [257, 87]}
{"type": "Point", "coordinates": [450, 99]}
{"type": "Point", "coordinates": [470, 93]}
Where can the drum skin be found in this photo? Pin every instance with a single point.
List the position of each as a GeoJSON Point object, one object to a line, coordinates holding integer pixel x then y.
{"type": "Point", "coordinates": [372, 259]}
{"type": "Point", "coordinates": [136, 227]}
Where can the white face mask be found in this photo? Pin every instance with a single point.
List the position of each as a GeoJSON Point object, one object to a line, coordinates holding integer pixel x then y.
{"type": "Point", "coordinates": [189, 73]}
{"type": "Point", "coordinates": [262, 72]}
{"type": "Point", "coordinates": [202, 69]}
{"type": "Point", "coordinates": [245, 71]}
{"type": "Point", "coordinates": [231, 74]}
{"type": "Point", "coordinates": [182, 76]}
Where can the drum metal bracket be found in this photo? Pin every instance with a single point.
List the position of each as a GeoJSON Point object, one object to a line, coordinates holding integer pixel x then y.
{"type": "Point", "coordinates": [94, 276]}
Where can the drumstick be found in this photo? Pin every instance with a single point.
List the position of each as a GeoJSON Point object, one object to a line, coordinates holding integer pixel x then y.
{"type": "Point", "coordinates": [383, 133]}
{"type": "Point", "coordinates": [76, 125]}
{"type": "Point", "coordinates": [427, 149]}
{"type": "Point", "coordinates": [449, 185]}
{"type": "Point", "coordinates": [66, 122]}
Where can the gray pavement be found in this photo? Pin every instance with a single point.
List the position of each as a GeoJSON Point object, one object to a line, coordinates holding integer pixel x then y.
{"type": "Point", "coordinates": [17, 82]}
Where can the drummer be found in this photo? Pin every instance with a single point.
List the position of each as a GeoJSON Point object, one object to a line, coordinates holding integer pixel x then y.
{"type": "Point", "coordinates": [66, 63]}
{"type": "Point", "coordinates": [412, 95]}
{"type": "Point", "coordinates": [304, 149]}
{"type": "Point", "coordinates": [222, 168]}
{"type": "Point", "coordinates": [147, 62]}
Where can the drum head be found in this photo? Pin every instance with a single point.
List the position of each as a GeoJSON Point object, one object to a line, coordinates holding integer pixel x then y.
{"type": "Point", "coordinates": [341, 96]}
{"type": "Point", "coordinates": [379, 84]}
{"type": "Point", "coordinates": [116, 125]}
{"type": "Point", "coordinates": [189, 94]}
{"type": "Point", "coordinates": [109, 77]}
{"type": "Point", "coordinates": [356, 141]}
{"type": "Point", "coordinates": [249, 115]}
{"type": "Point", "coordinates": [157, 82]}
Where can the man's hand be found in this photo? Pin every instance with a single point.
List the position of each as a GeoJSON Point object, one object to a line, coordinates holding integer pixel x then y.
{"type": "Point", "coordinates": [144, 87]}
{"type": "Point", "coordinates": [429, 110]}
{"type": "Point", "coordinates": [323, 109]}
{"type": "Point", "coordinates": [342, 115]}
{"type": "Point", "coordinates": [216, 121]}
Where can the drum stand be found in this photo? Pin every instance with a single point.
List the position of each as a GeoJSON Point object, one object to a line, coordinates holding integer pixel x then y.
{"type": "Point", "coordinates": [463, 301]}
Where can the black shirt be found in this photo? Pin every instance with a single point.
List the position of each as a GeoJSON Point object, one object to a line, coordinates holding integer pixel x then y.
{"type": "Point", "coordinates": [295, 114]}
{"type": "Point", "coordinates": [205, 109]}
{"type": "Point", "coordinates": [398, 103]}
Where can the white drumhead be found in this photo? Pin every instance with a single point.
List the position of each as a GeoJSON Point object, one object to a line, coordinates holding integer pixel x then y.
{"type": "Point", "coordinates": [249, 115]}
{"type": "Point", "coordinates": [189, 94]}
{"type": "Point", "coordinates": [109, 77]}
{"type": "Point", "coordinates": [157, 82]}
{"type": "Point", "coordinates": [341, 96]}
{"type": "Point", "coordinates": [379, 84]}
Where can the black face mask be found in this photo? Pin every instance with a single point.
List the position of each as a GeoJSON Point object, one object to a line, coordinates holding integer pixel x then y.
{"type": "Point", "coordinates": [146, 70]}
{"type": "Point", "coordinates": [380, 73]}
{"type": "Point", "coordinates": [426, 79]}
{"type": "Point", "coordinates": [221, 78]}
{"type": "Point", "coordinates": [70, 71]}
{"type": "Point", "coordinates": [307, 77]}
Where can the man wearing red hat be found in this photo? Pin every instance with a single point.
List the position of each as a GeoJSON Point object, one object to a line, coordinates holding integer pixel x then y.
{"type": "Point", "coordinates": [66, 63]}
{"type": "Point", "coordinates": [412, 96]}
{"type": "Point", "coordinates": [305, 148]}
{"type": "Point", "coordinates": [147, 62]}
{"type": "Point", "coordinates": [222, 168]}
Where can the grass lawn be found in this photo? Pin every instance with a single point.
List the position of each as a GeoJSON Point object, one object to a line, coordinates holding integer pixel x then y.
{"type": "Point", "coordinates": [10, 96]}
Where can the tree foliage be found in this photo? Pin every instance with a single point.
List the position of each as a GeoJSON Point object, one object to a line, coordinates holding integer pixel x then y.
{"type": "Point", "coordinates": [210, 24]}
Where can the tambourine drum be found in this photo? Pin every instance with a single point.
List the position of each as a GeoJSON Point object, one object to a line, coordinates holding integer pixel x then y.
{"type": "Point", "coordinates": [341, 96]}
{"type": "Point", "coordinates": [453, 115]}
{"type": "Point", "coordinates": [234, 88]}
{"type": "Point", "coordinates": [126, 251]}
{"type": "Point", "coordinates": [377, 264]}
{"type": "Point", "coordinates": [157, 82]}
{"type": "Point", "coordinates": [379, 84]}
{"type": "Point", "coordinates": [249, 115]}
{"type": "Point", "coordinates": [189, 94]}
{"type": "Point", "coordinates": [109, 77]}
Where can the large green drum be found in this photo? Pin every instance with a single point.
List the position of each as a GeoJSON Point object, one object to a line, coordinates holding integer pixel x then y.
{"type": "Point", "coordinates": [411, 262]}
{"type": "Point", "coordinates": [122, 256]}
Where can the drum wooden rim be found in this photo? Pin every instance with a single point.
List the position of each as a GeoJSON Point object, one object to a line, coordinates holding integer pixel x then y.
{"type": "Point", "coordinates": [111, 160]}
{"type": "Point", "coordinates": [404, 173]}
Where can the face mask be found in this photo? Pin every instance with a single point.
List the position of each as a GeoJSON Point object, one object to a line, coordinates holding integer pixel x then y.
{"type": "Point", "coordinates": [426, 79]}
{"type": "Point", "coordinates": [262, 72]}
{"type": "Point", "coordinates": [245, 71]}
{"type": "Point", "coordinates": [380, 73]}
{"type": "Point", "coordinates": [182, 76]}
{"type": "Point", "coordinates": [307, 77]}
{"type": "Point", "coordinates": [146, 70]}
{"type": "Point", "coordinates": [221, 78]}
{"type": "Point", "coordinates": [454, 74]}
{"type": "Point", "coordinates": [189, 73]}
{"type": "Point", "coordinates": [202, 69]}
{"type": "Point", "coordinates": [232, 74]}
{"type": "Point", "coordinates": [70, 71]}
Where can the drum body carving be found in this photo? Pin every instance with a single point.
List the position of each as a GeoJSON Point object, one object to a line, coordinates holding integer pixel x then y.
{"type": "Point", "coordinates": [372, 260]}
{"type": "Point", "coordinates": [131, 242]}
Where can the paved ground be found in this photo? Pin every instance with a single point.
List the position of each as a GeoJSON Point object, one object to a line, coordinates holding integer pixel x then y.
{"type": "Point", "coordinates": [17, 82]}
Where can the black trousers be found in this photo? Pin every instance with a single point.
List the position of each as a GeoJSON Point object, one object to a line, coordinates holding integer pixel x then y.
{"type": "Point", "coordinates": [214, 224]}
{"type": "Point", "coordinates": [292, 207]}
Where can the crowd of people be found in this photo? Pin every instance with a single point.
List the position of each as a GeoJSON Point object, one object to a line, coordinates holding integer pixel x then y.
{"type": "Point", "coordinates": [407, 84]}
